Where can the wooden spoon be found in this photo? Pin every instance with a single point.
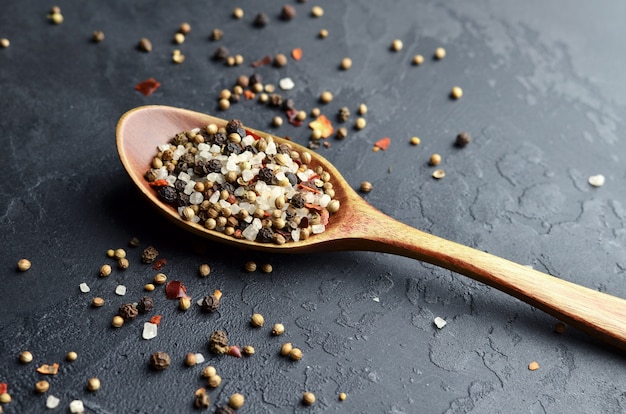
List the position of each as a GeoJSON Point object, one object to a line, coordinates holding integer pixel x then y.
{"type": "Point", "coordinates": [359, 226]}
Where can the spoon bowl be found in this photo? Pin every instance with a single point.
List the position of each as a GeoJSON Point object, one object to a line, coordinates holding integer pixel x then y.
{"type": "Point", "coordinates": [358, 226]}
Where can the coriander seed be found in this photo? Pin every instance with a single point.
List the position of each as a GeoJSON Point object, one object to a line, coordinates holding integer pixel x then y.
{"type": "Point", "coordinates": [71, 356]}
{"type": "Point", "coordinates": [415, 141]}
{"type": "Point", "coordinates": [105, 270]}
{"type": "Point", "coordinates": [97, 36]}
{"type": "Point", "coordinates": [184, 28]}
{"type": "Point", "coordinates": [209, 371]}
{"type": "Point", "coordinates": [93, 384]}
{"type": "Point", "coordinates": [204, 270]}
{"type": "Point", "coordinates": [360, 123]}
{"type": "Point", "coordinates": [317, 11]}
{"type": "Point", "coordinates": [42, 386]}
{"type": "Point", "coordinates": [224, 104]}
{"type": "Point", "coordinates": [308, 398]}
{"type": "Point", "coordinates": [4, 43]}
{"type": "Point", "coordinates": [315, 112]}
{"type": "Point", "coordinates": [326, 97]}
{"type": "Point", "coordinates": [456, 92]}
{"type": "Point", "coordinates": [346, 63]}
{"type": "Point", "coordinates": [110, 253]}
{"type": "Point", "coordinates": [248, 350]}
{"type": "Point", "coordinates": [366, 187]}
{"type": "Point", "coordinates": [190, 359]}
{"type": "Point", "coordinates": [160, 278]}
{"type": "Point", "coordinates": [117, 321]}
{"type": "Point", "coordinates": [214, 381]}
{"type": "Point", "coordinates": [278, 329]}
{"type": "Point", "coordinates": [323, 34]}
{"type": "Point", "coordinates": [342, 396]}
{"type": "Point", "coordinates": [123, 263]}
{"type": "Point", "coordinates": [267, 268]}
{"type": "Point", "coordinates": [97, 302]}
{"type": "Point", "coordinates": [56, 18]}
{"type": "Point", "coordinates": [26, 357]}
{"type": "Point", "coordinates": [286, 348]}
{"type": "Point", "coordinates": [440, 53]}
{"type": "Point", "coordinates": [236, 401]}
{"type": "Point", "coordinates": [362, 109]}
{"type": "Point", "coordinates": [295, 354]}
{"type": "Point", "coordinates": [119, 254]}
{"type": "Point", "coordinates": [238, 13]}
{"type": "Point", "coordinates": [250, 266]}
{"type": "Point", "coordinates": [23, 265]}
{"type": "Point", "coordinates": [396, 45]}
{"type": "Point", "coordinates": [435, 159]}
{"type": "Point", "coordinates": [257, 320]}
{"type": "Point", "coordinates": [418, 60]}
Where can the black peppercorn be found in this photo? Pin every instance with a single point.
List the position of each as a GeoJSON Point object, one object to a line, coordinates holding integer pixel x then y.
{"type": "Point", "coordinates": [145, 304]}
{"type": "Point", "coordinates": [266, 174]}
{"type": "Point", "coordinates": [134, 242]}
{"type": "Point", "coordinates": [232, 148]}
{"type": "Point", "coordinates": [287, 12]}
{"type": "Point", "coordinates": [128, 311]}
{"type": "Point", "coordinates": [150, 253]}
{"type": "Point", "coordinates": [276, 99]}
{"type": "Point", "coordinates": [297, 200]}
{"type": "Point", "coordinates": [218, 342]}
{"type": "Point", "coordinates": [221, 53]}
{"type": "Point", "coordinates": [210, 303]}
{"type": "Point", "coordinates": [288, 104]}
{"type": "Point", "coordinates": [261, 20]}
{"type": "Point", "coordinates": [225, 409]}
{"type": "Point", "coordinates": [202, 400]}
{"type": "Point", "coordinates": [344, 114]}
{"type": "Point", "coordinates": [235, 126]}
{"type": "Point", "coordinates": [168, 194]}
{"type": "Point", "coordinates": [180, 139]}
{"type": "Point", "coordinates": [160, 360]}
{"type": "Point", "coordinates": [265, 235]}
{"type": "Point", "coordinates": [254, 79]}
{"type": "Point", "coordinates": [462, 139]}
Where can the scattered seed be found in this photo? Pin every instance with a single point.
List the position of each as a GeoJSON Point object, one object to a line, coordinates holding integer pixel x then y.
{"type": "Point", "coordinates": [97, 302]}
{"type": "Point", "coordinates": [97, 36]}
{"type": "Point", "coordinates": [261, 20]}
{"type": "Point", "coordinates": [346, 63]}
{"type": "Point", "coordinates": [342, 396]}
{"type": "Point", "coordinates": [160, 278]}
{"type": "Point", "coordinates": [117, 321]}
{"type": "Point", "coordinates": [5, 398]}
{"type": "Point", "coordinates": [184, 28]}
{"type": "Point", "coordinates": [317, 11]}
{"type": "Point", "coordinates": [26, 357]}
{"type": "Point", "coordinates": [326, 97]}
{"type": "Point", "coordinates": [439, 174]}
{"type": "Point", "coordinates": [248, 350]}
{"type": "Point", "coordinates": [366, 187]}
{"type": "Point", "coordinates": [396, 45]}
{"type": "Point", "coordinates": [190, 359]}
{"type": "Point", "coordinates": [533, 366]}
{"type": "Point", "coordinates": [145, 45]}
{"type": "Point", "coordinates": [42, 386]}
{"type": "Point", "coordinates": [288, 12]}
{"type": "Point", "coordinates": [204, 270]}
{"type": "Point", "coordinates": [160, 360]}
{"type": "Point", "coordinates": [418, 60]}
{"type": "Point", "coordinates": [202, 400]}
{"type": "Point", "coordinates": [119, 254]}
{"type": "Point", "coordinates": [93, 384]}
{"type": "Point", "coordinates": [184, 303]}
{"type": "Point", "coordinates": [360, 123]}
{"type": "Point", "coordinates": [209, 371]}
{"type": "Point", "coordinates": [596, 180]}
{"type": "Point", "coordinates": [23, 265]}
{"type": "Point", "coordinates": [323, 34]}
{"type": "Point", "coordinates": [257, 320]}
{"type": "Point", "coordinates": [224, 104]}
{"type": "Point", "coordinates": [4, 43]}
{"type": "Point", "coordinates": [56, 17]}
{"type": "Point", "coordinates": [342, 132]}
{"type": "Point", "coordinates": [440, 53]}
{"type": "Point", "coordinates": [177, 56]}
{"type": "Point", "coordinates": [456, 92]}
{"type": "Point", "coordinates": [415, 141]}
{"type": "Point", "coordinates": [214, 381]}
{"type": "Point", "coordinates": [362, 109]}
{"type": "Point", "coordinates": [238, 13]}
{"type": "Point", "coordinates": [462, 139]}
{"type": "Point", "coordinates": [267, 268]}
{"type": "Point", "coordinates": [149, 287]}
{"type": "Point", "coordinates": [286, 348]}
{"type": "Point", "coordinates": [217, 34]}
{"type": "Point", "coordinates": [315, 112]}
{"type": "Point", "coordinates": [435, 159]}
{"type": "Point", "coordinates": [71, 356]}
{"type": "Point", "coordinates": [236, 401]}
{"type": "Point", "coordinates": [439, 322]}
{"type": "Point", "coordinates": [250, 266]}
{"type": "Point", "coordinates": [308, 398]}
{"type": "Point", "coordinates": [105, 270]}
{"type": "Point", "coordinates": [278, 329]}
{"type": "Point", "coordinates": [179, 38]}
{"type": "Point", "coordinates": [560, 328]}
{"type": "Point", "coordinates": [280, 60]}
{"type": "Point", "coordinates": [123, 263]}
{"type": "Point", "coordinates": [295, 354]}
{"type": "Point", "coordinates": [134, 242]}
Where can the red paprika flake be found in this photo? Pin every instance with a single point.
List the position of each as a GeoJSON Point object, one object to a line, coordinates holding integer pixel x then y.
{"type": "Point", "coordinates": [156, 319]}
{"type": "Point", "coordinates": [383, 143]}
{"type": "Point", "coordinates": [292, 117]}
{"type": "Point", "coordinates": [159, 264]}
{"type": "Point", "coordinates": [266, 60]}
{"type": "Point", "coordinates": [147, 87]}
{"type": "Point", "coordinates": [234, 350]}
{"type": "Point", "coordinates": [159, 183]}
{"type": "Point", "coordinates": [296, 53]}
{"type": "Point", "coordinates": [253, 135]}
{"type": "Point", "coordinates": [4, 387]}
{"type": "Point", "coordinates": [175, 289]}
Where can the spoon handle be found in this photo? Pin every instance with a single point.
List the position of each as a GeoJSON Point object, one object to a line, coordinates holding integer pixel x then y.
{"type": "Point", "coordinates": [595, 313]}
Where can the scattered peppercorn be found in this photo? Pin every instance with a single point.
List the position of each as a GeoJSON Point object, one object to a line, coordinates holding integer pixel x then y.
{"type": "Point", "coordinates": [218, 342]}
{"type": "Point", "coordinates": [145, 45]}
{"type": "Point", "coordinates": [117, 321]}
{"type": "Point", "coordinates": [160, 278]}
{"type": "Point", "coordinates": [261, 20]}
{"type": "Point", "coordinates": [435, 159]}
{"type": "Point", "coordinates": [280, 60]}
{"type": "Point", "coordinates": [560, 328]}
{"type": "Point", "coordinates": [278, 329]}
{"type": "Point", "coordinates": [42, 386]}
{"type": "Point", "coordinates": [346, 63]}
{"type": "Point", "coordinates": [238, 13]}
{"type": "Point", "coordinates": [56, 17]}
{"type": "Point", "coordinates": [202, 399]}
{"type": "Point", "coordinates": [295, 354]}
{"type": "Point", "coordinates": [210, 303]}
{"type": "Point", "coordinates": [415, 141]}
{"type": "Point", "coordinates": [145, 304]}
{"type": "Point", "coordinates": [396, 45]}
{"type": "Point", "coordinates": [4, 43]}
{"type": "Point", "coordinates": [250, 266]}
{"type": "Point", "coordinates": [26, 357]}
{"type": "Point", "coordinates": [362, 109]}
{"type": "Point", "coordinates": [134, 242]}
{"type": "Point", "coordinates": [267, 268]}
{"type": "Point", "coordinates": [326, 97]}
{"type": "Point", "coordinates": [360, 123]}
{"type": "Point", "coordinates": [160, 360]}
{"type": "Point", "coordinates": [105, 270]}
{"type": "Point", "coordinates": [224, 410]}
{"type": "Point", "coordinates": [366, 187]}
{"type": "Point", "coordinates": [184, 303]}
{"type": "Point", "coordinates": [71, 356]}
{"type": "Point", "coordinates": [323, 34]}
{"type": "Point", "coordinates": [418, 60]}
{"type": "Point", "coordinates": [224, 104]}
{"type": "Point", "coordinates": [308, 398]}
{"type": "Point", "coordinates": [277, 121]}
{"type": "Point", "coordinates": [179, 38]}
{"type": "Point", "coordinates": [440, 53]}
{"type": "Point", "coordinates": [286, 348]}
{"type": "Point", "coordinates": [221, 53]}
{"type": "Point", "coordinates": [456, 92]}
{"type": "Point", "coordinates": [204, 270]}
{"type": "Point", "coordinates": [97, 36]}
{"type": "Point", "coordinates": [217, 34]}
{"type": "Point", "coordinates": [97, 302]}
{"type": "Point", "coordinates": [462, 139]}
{"type": "Point", "coordinates": [5, 398]}
{"type": "Point", "coordinates": [342, 132]}
{"type": "Point", "coordinates": [248, 350]}
{"type": "Point", "coordinates": [190, 359]}
{"type": "Point", "coordinates": [209, 371]}
{"type": "Point", "coordinates": [184, 28]}
{"type": "Point", "coordinates": [317, 11]}
{"type": "Point", "coordinates": [342, 396]}
{"type": "Point", "coordinates": [149, 287]}
{"type": "Point", "coordinates": [236, 401]}
{"type": "Point", "coordinates": [93, 384]}
{"type": "Point", "coordinates": [214, 381]}
{"type": "Point", "coordinates": [23, 265]}
{"type": "Point", "coordinates": [288, 12]}
{"type": "Point", "coordinates": [257, 320]}
{"type": "Point", "coordinates": [123, 263]}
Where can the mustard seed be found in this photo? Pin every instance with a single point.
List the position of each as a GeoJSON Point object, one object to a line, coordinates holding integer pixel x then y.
{"type": "Point", "coordinates": [415, 141]}
{"type": "Point", "coordinates": [184, 28]}
{"type": "Point", "coordinates": [123, 263]}
{"type": "Point", "coordinates": [239, 60]}
{"type": "Point", "coordinates": [317, 11]}
{"type": "Point", "coordinates": [23, 265]}
{"type": "Point", "coordinates": [456, 92]}
{"type": "Point", "coordinates": [119, 254]}
{"type": "Point", "coordinates": [4, 43]}
{"type": "Point", "coordinates": [236, 401]}
{"type": "Point", "coordinates": [342, 396]}
{"type": "Point", "coordinates": [277, 121]}
{"type": "Point", "coordinates": [308, 398]}
{"type": "Point", "coordinates": [418, 60]}
{"type": "Point", "coordinates": [286, 348]}
{"type": "Point", "coordinates": [160, 278]}
{"type": "Point", "coordinates": [238, 13]}
{"type": "Point", "coordinates": [248, 350]}
{"type": "Point", "coordinates": [117, 321]}
{"type": "Point", "coordinates": [190, 359]}
{"type": "Point", "coordinates": [278, 329]}
{"type": "Point", "coordinates": [435, 159]}
{"type": "Point", "coordinates": [97, 302]}
{"type": "Point", "coordinates": [295, 354]}
{"type": "Point", "coordinates": [257, 320]}
{"type": "Point", "coordinates": [26, 357]}
{"type": "Point", "coordinates": [214, 381]}
{"type": "Point", "coordinates": [323, 34]}
{"type": "Point", "coordinates": [149, 287]}
{"type": "Point", "coordinates": [360, 123]}
{"type": "Point", "coordinates": [326, 97]}
{"type": "Point", "coordinates": [179, 38]}
{"type": "Point", "coordinates": [366, 187]}
{"type": "Point", "coordinates": [93, 384]}
{"type": "Point", "coordinates": [440, 53]}
{"type": "Point", "coordinates": [315, 112]}
{"type": "Point", "coordinates": [209, 371]}
{"type": "Point", "coordinates": [105, 270]}
{"type": "Point", "coordinates": [42, 386]}
{"type": "Point", "coordinates": [396, 45]}
{"type": "Point", "coordinates": [71, 356]}
{"type": "Point", "coordinates": [439, 174]}
{"type": "Point", "coordinates": [267, 268]}
{"type": "Point", "coordinates": [346, 63]}
{"type": "Point", "coordinates": [204, 270]}
{"type": "Point", "coordinates": [145, 45]}
{"type": "Point", "coordinates": [250, 266]}
{"type": "Point", "coordinates": [56, 18]}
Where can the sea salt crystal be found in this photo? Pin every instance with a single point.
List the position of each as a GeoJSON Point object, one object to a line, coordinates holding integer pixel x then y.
{"type": "Point", "coordinates": [318, 228]}
{"type": "Point", "coordinates": [247, 140]}
{"type": "Point", "coordinates": [196, 198]}
{"type": "Point", "coordinates": [439, 322]}
{"type": "Point", "coordinates": [164, 147]}
{"type": "Point", "coordinates": [596, 180]}
{"type": "Point", "coordinates": [214, 197]}
{"type": "Point", "coordinates": [52, 402]}
{"type": "Point", "coordinates": [286, 84]}
{"type": "Point", "coordinates": [250, 233]}
{"type": "Point", "coordinates": [120, 290]}
{"type": "Point", "coordinates": [324, 200]}
{"type": "Point", "coordinates": [84, 287]}
{"type": "Point", "coordinates": [77, 406]}
{"type": "Point", "coordinates": [295, 235]}
{"type": "Point", "coordinates": [247, 175]}
{"type": "Point", "coordinates": [271, 148]}
{"type": "Point", "coordinates": [199, 358]}
{"type": "Point", "coordinates": [189, 187]}
{"type": "Point", "coordinates": [149, 330]}
{"type": "Point", "coordinates": [183, 176]}
{"type": "Point", "coordinates": [204, 147]}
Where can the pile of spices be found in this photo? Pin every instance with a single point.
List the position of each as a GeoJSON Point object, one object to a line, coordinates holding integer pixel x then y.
{"type": "Point", "coordinates": [247, 187]}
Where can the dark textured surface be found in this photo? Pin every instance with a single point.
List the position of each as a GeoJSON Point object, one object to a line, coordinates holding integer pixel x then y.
{"type": "Point", "coordinates": [544, 98]}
